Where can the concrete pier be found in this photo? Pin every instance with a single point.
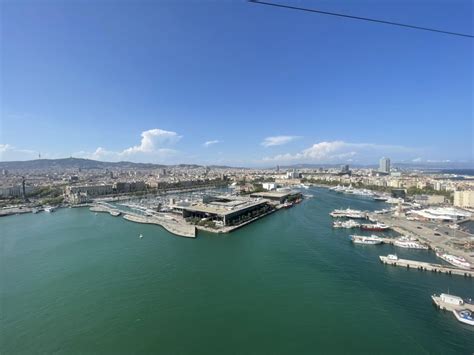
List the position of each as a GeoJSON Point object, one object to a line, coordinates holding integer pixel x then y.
{"type": "Point", "coordinates": [423, 266]}
{"type": "Point", "coordinates": [180, 229]}
{"type": "Point", "coordinates": [446, 306]}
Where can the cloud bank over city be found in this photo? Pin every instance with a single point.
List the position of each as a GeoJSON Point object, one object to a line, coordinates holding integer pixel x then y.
{"type": "Point", "coordinates": [155, 146]}
{"type": "Point", "coordinates": [162, 146]}
{"type": "Point", "coordinates": [340, 151]}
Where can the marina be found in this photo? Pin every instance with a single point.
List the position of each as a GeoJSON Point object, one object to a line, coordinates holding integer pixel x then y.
{"type": "Point", "coordinates": [289, 261]}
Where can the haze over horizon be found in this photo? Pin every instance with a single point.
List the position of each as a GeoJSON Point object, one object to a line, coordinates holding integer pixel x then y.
{"type": "Point", "coordinates": [255, 86]}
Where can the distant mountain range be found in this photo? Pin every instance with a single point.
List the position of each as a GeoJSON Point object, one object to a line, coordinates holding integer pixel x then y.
{"type": "Point", "coordinates": [78, 163]}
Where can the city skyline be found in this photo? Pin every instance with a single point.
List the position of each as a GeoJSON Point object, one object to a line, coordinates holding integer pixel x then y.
{"type": "Point", "coordinates": [253, 87]}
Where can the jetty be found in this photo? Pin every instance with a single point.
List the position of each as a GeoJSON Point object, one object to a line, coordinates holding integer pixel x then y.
{"type": "Point", "coordinates": [448, 302]}
{"type": "Point", "coordinates": [424, 266]}
{"type": "Point", "coordinates": [105, 209]}
{"type": "Point", "coordinates": [172, 226]}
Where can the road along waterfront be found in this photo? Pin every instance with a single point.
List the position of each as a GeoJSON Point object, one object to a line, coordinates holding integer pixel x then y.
{"type": "Point", "coordinates": [73, 281]}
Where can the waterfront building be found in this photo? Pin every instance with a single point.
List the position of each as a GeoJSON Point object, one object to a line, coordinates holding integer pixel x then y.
{"type": "Point", "coordinates": [464, 199]}
{"type": "Point", "coordinates": [269, 186]}
{"type": "Point", "coordinates": [426, 200]}
{"type": "Point", "coordinates": [223, 210]}
{"type": "Point", "coordinates": [384, 165]}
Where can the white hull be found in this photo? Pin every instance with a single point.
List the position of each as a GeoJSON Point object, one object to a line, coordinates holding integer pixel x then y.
{"type": "Point", "coordinates": [465, 317]}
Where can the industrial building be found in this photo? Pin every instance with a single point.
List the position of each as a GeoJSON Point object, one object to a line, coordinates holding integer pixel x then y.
{"type": "Point", "coordinates": [224, 210]}
{"type": "Point", "coordinates": [277, 196]}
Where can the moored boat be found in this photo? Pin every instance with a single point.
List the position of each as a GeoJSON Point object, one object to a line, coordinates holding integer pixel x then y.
{"type": "Point", "coordinates": [409, 243]}
{"type": "Point", "coordinates": [454, 260]}
{"type": "Point", "coordinates": [374, 227]}
{"type": "Point", "coordinates": [464, 316]}
{"type": "Point", "coordinates": [362, 239]}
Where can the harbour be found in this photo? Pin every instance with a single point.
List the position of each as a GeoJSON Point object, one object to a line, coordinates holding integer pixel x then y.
{"type": "Point", "coordinates": [294, 272]}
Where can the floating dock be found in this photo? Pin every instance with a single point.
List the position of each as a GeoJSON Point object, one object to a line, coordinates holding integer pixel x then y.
{"type": "Point", "coordinates": [423, 266]}
{"type": "Point", "coordinates": [449, 306]}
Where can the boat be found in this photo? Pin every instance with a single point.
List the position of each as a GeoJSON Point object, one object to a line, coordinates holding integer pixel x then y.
{"type": "Point", "coordinates": [454, 260]}
{"type": "Point", "coordinates": [392, 257]}
{"type": "Point", "coordinates": [34, 210]}
{"type": "Point", "coordinates": [140, 236]}
{"type": "Point", "coordinates": [464, 316]}
{"type": "Point", "coordinates": [348, 213]}
{"type": "Point", "coordinates": [409, 243]}
{"type": "Point", "coordinates": [362, 239]}
{"type": "Point", "coordinates": [346, 224]}
{"type": "Point", "coordinates": [287, 205]}
{"type": "Point", "coordinates": [380, 198]}
{"type": "Point", "coordinates": [374, 227]}
{"type": "Point", "coordinates": [49, 209]}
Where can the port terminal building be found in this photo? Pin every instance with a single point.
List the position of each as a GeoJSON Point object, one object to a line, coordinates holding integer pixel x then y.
{"type": "Point", "coordinates": [224, 210]}
{"type": "Point", "coordinates": [277, 196]}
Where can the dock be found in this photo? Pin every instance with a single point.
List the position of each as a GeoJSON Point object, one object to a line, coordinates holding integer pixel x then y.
{"type": "Point", "coordinates": [448, 306]}
{"type": "Point", "coordinates": [423, 266]}
{"type": "Point", "coordinates": [174, 227]}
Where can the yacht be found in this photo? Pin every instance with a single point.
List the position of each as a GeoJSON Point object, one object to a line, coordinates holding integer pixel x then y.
{"type": "Point", "coordinates": [374, 227]}
{"type": "Point", "coordinates": [464, 316]}
{"type": "Point", "coordinates": [409, 243]}
{"type": "Point", "coordinates": [361, 239]}
{"type": "Point", "coordinates": [454, 260]}
{"type": "Point", "coordinates": [348, 213]}
{"type": "Point", "coordinates": [346, 224]}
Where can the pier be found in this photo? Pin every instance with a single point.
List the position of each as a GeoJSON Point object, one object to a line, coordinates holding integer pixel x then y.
{"type": "Point", "coordinates": [174, 227]}
{"type": "Point", "coordinates": [424, 266]}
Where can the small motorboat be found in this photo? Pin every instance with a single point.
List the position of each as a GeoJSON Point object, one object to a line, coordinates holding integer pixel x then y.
{"type": "Point", "coordinates": [140, 236]}
{"type": "Point", "coordinates": [464, 316]}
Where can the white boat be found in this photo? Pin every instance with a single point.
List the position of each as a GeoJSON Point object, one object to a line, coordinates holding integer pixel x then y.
{"type": "Point", "coordinates": [361, 239]}
{"type": "Point", "coordinates": [49, 209]}
{"type": "Point", "coordinates": [409, 243]}
{"type": "Point", "coordinates": [348, 213]}
{"type": "Point", "coordinates": [392, 257]}
{"type": "Point", "coordinates": [34, 210]}
{"type": "Point", "coordinates": [457, 261]}
{"type": "Point", "coordinates": [346, 224]}
{"type": "Point", "coordinates": [374, 227]}
{"type": "Point", "coordinates": [140, 236]}
{"type": "Point", "coordinates": [464, 316]}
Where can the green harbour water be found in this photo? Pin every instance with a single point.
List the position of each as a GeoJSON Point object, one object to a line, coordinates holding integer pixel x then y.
{"type": "Point", "coordinates": [75, 282]}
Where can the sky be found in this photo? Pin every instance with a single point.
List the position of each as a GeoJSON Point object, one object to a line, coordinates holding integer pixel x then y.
{"type": "Point", "coordinates": [235, 83]}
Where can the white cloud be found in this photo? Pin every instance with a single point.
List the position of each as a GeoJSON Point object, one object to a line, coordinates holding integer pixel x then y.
{"type": "Point", "coordinates": [278, 140]}
{"type": "Point", "coordinates": [335, 151]}
{"type": "Point", "coordinates": [10, 153]}
{"type": "Point", "coordinates": [153, 147]}
{"type": "Point", "coordinates": [151, 140]}
{"type": "Point", "coordinates": [209, 143]}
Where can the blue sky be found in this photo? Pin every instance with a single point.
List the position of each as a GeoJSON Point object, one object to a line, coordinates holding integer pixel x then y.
{"type": "Point", "coordinates": [155, 81]}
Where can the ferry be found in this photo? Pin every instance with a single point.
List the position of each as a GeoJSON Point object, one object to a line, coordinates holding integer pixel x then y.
{"type": "Point", "coordinates": [464, 316]}
{"type": "Point", "coordinates": [361, 239]}
{"type": "Point", "coordinates": [348, 213]}
{"type": "Point", "coordinates": [409, 243]}
{"type": "Point", "coordinates": [457, 261]}
{"type": "Point", "coordinates": [374, 227]}
{"type": "Point", "coordinates": [346, 224]}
